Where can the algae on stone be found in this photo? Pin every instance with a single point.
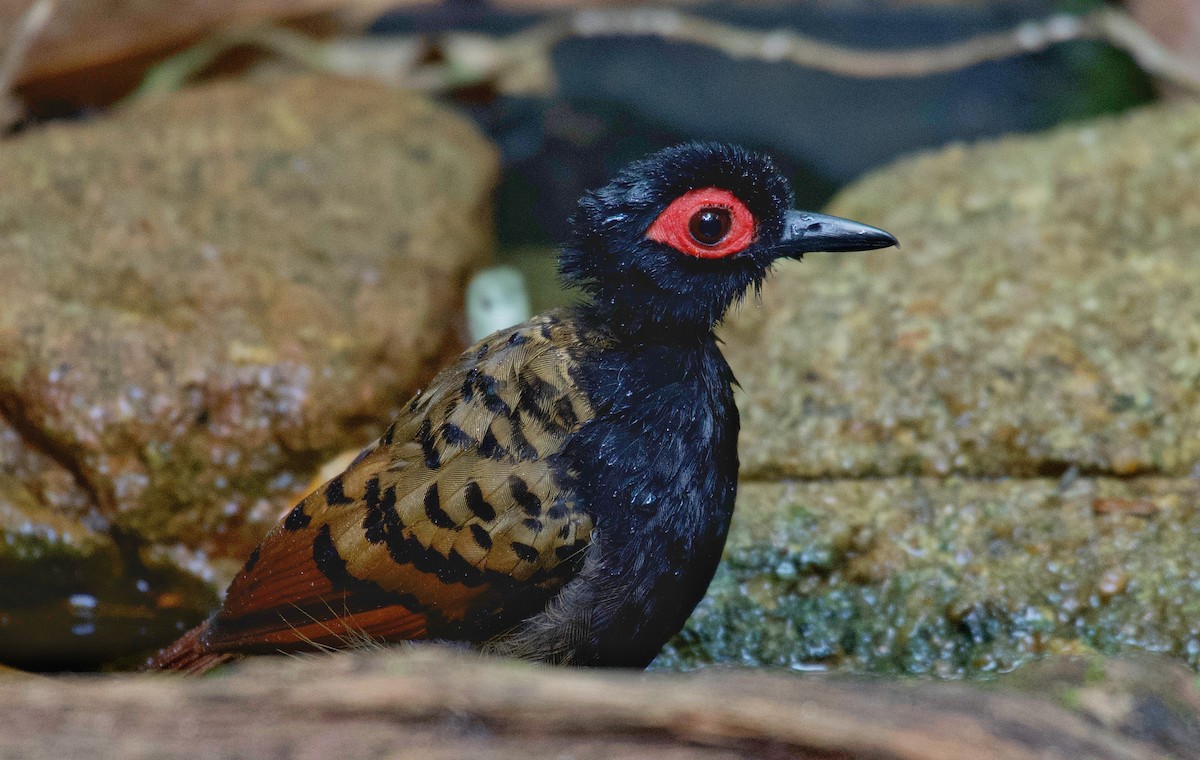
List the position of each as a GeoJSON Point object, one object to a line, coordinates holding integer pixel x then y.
{"type": "Point", "coordinates": [951, 576]}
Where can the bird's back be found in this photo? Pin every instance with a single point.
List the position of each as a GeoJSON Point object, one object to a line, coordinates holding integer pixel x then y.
{"type": "Point", "coordinates": [454, 525]}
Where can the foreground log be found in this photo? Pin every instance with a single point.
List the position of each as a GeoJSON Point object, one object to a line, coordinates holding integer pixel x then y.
{"type": "Point", "coordinates": [430, 704]}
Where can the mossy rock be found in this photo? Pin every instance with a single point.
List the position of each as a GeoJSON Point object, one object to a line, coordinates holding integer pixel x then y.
{"type": "Point", "coordinates": [983, 446]}
{"type": "Point", "coordinates": [202, 297]}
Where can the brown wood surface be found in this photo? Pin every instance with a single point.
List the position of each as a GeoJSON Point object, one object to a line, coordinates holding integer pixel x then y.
{"type": "Point", "coordinates": [426, 703]}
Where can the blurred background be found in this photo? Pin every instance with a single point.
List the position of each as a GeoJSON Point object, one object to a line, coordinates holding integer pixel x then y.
{"type": "Point", "coordinates": [221, 267]}
{"type": "Point", "coordinates": [569, 96]}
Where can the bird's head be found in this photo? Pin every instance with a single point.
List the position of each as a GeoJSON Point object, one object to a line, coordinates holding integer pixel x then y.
{"type": "Point", "coordinates": [676, 238]}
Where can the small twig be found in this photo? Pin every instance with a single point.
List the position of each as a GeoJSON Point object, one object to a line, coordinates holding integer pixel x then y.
{"type": "Point", "coordinates": [174, 72]}
{"type": "Point", "coordinates": [520, 64]}
{"type": "Point", "coordinates": [785, 46]}
{"type": "Point", "coordinates": [26, 31]}
{"type": "Point", "coordinates": [501, 60]}
{"type": "Point", "coordinates": [1122, 31]}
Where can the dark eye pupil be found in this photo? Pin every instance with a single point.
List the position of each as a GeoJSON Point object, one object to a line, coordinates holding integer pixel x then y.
{"type": "Point", "coordinates": [709, 225]}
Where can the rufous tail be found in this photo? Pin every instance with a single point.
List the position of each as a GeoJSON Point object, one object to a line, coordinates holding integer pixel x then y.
{"type": "Point", "coordinates": [188, 654]}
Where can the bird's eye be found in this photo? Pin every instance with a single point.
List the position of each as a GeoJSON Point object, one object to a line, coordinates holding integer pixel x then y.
{"type": "Point", "coordinates": [710, 225]}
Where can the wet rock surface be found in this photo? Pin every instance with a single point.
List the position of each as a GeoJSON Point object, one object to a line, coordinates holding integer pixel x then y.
{"type": "Point", "coordinates": [983, 446]}
{"type": "Point", "coordinates": [201, 298]}
{"type": "Point", "coordinates": [951, 577]}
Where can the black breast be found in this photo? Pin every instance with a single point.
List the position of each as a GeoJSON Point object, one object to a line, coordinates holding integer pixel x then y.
{"type": "Point", "coordinates": [657, 469]}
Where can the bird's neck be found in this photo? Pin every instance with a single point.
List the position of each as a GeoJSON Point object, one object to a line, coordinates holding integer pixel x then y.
{"type": "Point", "coordinates": [637, 327]}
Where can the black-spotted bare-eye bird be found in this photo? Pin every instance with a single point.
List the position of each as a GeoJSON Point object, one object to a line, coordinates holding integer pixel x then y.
{"type": "Point", "coordinates": [562, 492]}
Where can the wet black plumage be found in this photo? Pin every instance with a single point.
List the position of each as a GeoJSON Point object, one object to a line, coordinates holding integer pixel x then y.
{"type": "Point", "coordinates": [562, 492]}
{"type": "Point", "coordinates": [658, 471]}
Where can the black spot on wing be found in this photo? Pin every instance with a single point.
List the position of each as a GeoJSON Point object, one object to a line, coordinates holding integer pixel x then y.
{"type": "Point", "coordinates": [333, 567]}
{"type": "Point", "coordinates": [489, 391]}
{"type": "Point", "coordinates": [381, 517]}
{"type": "Point", "coordinates": [433, 460]}
{"type": "Point", "coordinates": [335, 494]}
{"type": "Point", "coordinates": [456, 436]}
{"type": "Point", "coordinates": [534, 392]}
{"type": "Point", "coordinates": [252, 560]}
{"type": "Point", "coordinates": [481, 536]}
{"type": "Point", "coordinates": [371, 493]}
{"type": "Point", "coordinates": [535, 388]}
{"type": "Point", "coordinates": [524, 552]}
{"type": "Point", "coordinates": [434, 511]}
{"type": "Point", "coordinates": [521, 447]}
{"type": "Point", "coordinates": [478, 505]}
{"type": "Point", "coordinates": [297, 519]}
{"type": "Point", "coordinates": [565, 412]}
{"type": "Point", "coordinates": [390, 434]}
{"type": "Point", "coordinates": [489, 447]}
{"type": "Point", "coordinates": [469, 382]}
{"type": "Point", "coordinates": [523, 497]}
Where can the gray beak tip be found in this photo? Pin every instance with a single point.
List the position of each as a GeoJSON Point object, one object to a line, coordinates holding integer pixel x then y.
{"type": "Point", "coordinates": [805, 231]}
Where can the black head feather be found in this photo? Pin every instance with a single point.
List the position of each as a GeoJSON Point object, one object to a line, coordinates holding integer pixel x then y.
{"type": "Point", "coordinates": [638, 284]}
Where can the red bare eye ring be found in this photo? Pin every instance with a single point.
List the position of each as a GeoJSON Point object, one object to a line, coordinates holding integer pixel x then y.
{"type": "Point", "coordinates": [708, 223]}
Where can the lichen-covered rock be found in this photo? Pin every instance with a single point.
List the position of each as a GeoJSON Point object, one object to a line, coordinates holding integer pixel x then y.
{"type": "Point", "coordinates": [1041, 314]}
{"type": "Point", "coordinates": [985, 445]}
{"type": "Point", "coordinates": [202, 297]}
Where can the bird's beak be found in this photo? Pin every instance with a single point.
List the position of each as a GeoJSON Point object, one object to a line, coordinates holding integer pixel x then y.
{"type": "Point", "coordinates": [804, 231]}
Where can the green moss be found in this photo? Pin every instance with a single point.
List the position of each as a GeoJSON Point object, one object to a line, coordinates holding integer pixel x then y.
{"type": "Point", "coordinates": [948, 578]}
{"type": "Point", "coordinates": [1095, 673]}
{"type": "Point", "coordinates": [1071, 699]}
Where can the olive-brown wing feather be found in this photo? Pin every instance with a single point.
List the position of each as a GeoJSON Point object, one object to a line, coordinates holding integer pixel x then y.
{"type": "Point", "coordinates": [455, 524]}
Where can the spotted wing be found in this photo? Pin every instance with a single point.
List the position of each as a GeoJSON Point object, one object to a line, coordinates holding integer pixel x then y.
{"type": "Point", "coordinates": [454, 525]}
